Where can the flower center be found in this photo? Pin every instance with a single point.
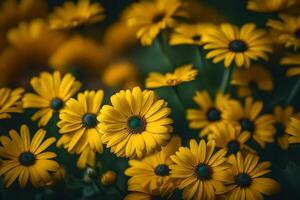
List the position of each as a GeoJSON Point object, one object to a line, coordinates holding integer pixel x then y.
{"type": "Point", "coordinates": [238, 46]}
{"type": "Point", "coordinates": [297, 33]}
{"type": "Point", "coordinates": [243, 180]}
{"type": "Point", "coordinates": [159, 17]}
{"type": "Point", "coordinates": [136, 124]}
{"type": "Point", "coordinates": [247, 125]}
{"type": "Point", "coordinates": [233, 147]}
{"type": "Point", "coordinates": [89, 120]}
{"type": "Point", "coordinates": [203, 171]}
{"type": "Point", "coordinates": [56, 104]}
{"type": "Point", "coordinates": [162, 170]}
{"type": "Point", "coordinates": [27, 159]}
{"type": "Point", "coordinates": [280, 129]}
{"type": "Point", "coordinates": [213, 115]}
{"type": "Point", "coordinates": [196, 37]}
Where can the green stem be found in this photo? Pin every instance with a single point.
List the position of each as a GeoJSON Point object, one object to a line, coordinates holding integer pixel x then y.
{"type": "Point", "coordinates": [179, 98]}
{"type": "Point", "coordinates": [226, 79]}
{"type": "Point", "coordinates": [202, 66]}
{"type": "Point", "coordinates": [293, 92]}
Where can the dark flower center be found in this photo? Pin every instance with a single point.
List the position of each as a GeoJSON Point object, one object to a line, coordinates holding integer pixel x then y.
{"type": "Point", "coordinates": [136, 124]}
{"type": "Point", "coordinates": [297, 33]}
{"type": "Point", "coordinates": [162, 170]}
{"type": "Point", "coordinates": [196, 37]}
{"type": "Point", "coordinates": [203, 171]}
{"type": "Point", "coordinates": [56, 104]}
{"type": "Point", "coordinates": [280, 129]}
{"type": "Point", "coordinates": [213, 114]}
{"type": "Point", "coordinates": [233, 147]}
{"type": "Point", "coordinates": [247, 125]}
{"type": "Point", "coordinates": [243, 180]}
{"type": "Point", "coordinates": [89, 120]}
{"type": "Point", "coordinates": [27, 159]}
{"type": "Point", "coordinates": [158, 18]}
{"type": "Point", "coordinates": [238, 46]}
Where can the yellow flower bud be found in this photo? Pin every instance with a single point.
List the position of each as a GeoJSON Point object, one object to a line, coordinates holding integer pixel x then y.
{"type": "Point", "coordinates": [109, 178]}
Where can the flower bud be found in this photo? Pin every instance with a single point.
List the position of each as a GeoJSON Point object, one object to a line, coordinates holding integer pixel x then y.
{"type": "Point", "coordinates": [109, 178]}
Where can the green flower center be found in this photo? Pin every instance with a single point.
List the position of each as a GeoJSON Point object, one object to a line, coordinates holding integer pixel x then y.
{"type": "Point", "coordinates": [203, 171]}
{"type": "Point", "coordinates": [247, 125]}
{"type": "Point", "coordinates": [238, 46]}
{"type": "Point", "coordinates": [280, 129]}
{"type": "Point", "coordinates": [27, 159]}
{"type": "Point", "coordinates": [162, 170]}
{"type": "Point", "coordinates": [56, 104]}
{"type": "Point", "coordinates": [233, 147]}
{"type": "Point", "coordinates": [89, 120]}
{"type": "Point", "coordinates": [297, 33]}
{"type": "Point", "coordinates": [243, 180]}
{"type": "Point", "coordinates": [213, 115]}
{"type": "Point", "coordinates": [136, 124]}
{"type": "Point", "coordinates": [196, 37]}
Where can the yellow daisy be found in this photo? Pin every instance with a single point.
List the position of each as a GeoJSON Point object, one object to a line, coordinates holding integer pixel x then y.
{"type": "Point", "coordinates": [200, 171]}
{"type": "Point", "coordinates": [78, 123]}
{"type": "Point", "coordinates": [52, 93]}
{"type": "Point", "coordinates": [208, 113]}
{"type": "Point", "coordinates": [25, 159]}
{"type": "Point", "coordinates": [136, 124]}
{"type": "Point", "coordinates": [270, 5]}
{"type": "Point", "coordinates": [153, 171]}
{"type": "Point", "coordinates": [257, 76]}
{"type": "Point", "coordinates": [189, 34]}
{"type": "Point", "coordinates": [10, 102]}
{"type": "Point", "coordinates": [87, 158]}
{"type": "Point", "coordinates": [229, 43]}
{"type": "Point", "coordinates": [229, 137]}
{"type": "Point", "coordinates": [249, 117]}
{"type": "Point", "coordinates": [71, 15]}
{"type": "Point", "coordinates": [248, 178]}
{"type": "Point", "coordinates": [293, 130]}
{"type": "Point", "coordinates": [293, 62]}
{"type": "Point", "coordinates": [160, 15]}
{"type": "Point", "coordinates": [287, 30]}
{"type": "Point", "coordinates": [181, 74]}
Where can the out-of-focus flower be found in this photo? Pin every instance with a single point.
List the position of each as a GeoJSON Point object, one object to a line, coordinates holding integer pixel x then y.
{"type": "Point", "coordinates": [52, 93]}
{"type": "Point", "coordinates": [249, 117]}
{"type": "Point", "coordinates": [153, 171]}
{"type": "Point", "coordinates": [189, 34]}
{"type": "Point", "coordinates": [292, 61]}
{"type": "Point", "coordinates": [87, 159]}
{"type": "Point", "coordinates": [58, 176]}
{"type": "Point", "coordinates": [10, 102]}
{"type": "Point", "coordinates": [257, 75]}
{"type": "Point", "coordinates": [181, 74]}
{"type": "Point", "coordinates": [286, 30]}
{"type": "Point", "coordinates": [78, 123]}
{"type": "Point", "coordinates": [248, 178]}
{"type": "Point", "coordinates": [89, 174]}
{"type": "Point", "coordinates": [152, 17]}
{"type": "Point", "coordinates": [136, 124]}
{"type": "Point", "coordinates": [270, 5]}
{"type": "Point", "coordinates": [26, 159]}
{"type": "Point", "coordinates": [71, 15]}
{"type": "Point", "coordinates": [231, 44]}
{"type": "Point", "coordinates": [108, 178]}
{"type": "Point", "coordinates": [200, 171]}
{"type": "Point", "coordinates": [293, 130]}
{"type": "Point", "coordinates": [121, 74]}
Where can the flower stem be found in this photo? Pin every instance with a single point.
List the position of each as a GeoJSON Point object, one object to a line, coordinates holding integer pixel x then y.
{"type": "Point", "coordinates": [226, 79]}
{"type": "Point", "coordinates": [293, 92]}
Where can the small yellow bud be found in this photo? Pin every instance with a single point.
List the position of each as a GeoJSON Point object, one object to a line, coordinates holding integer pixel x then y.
{"type": "Point", "coordinates": [109, 178]}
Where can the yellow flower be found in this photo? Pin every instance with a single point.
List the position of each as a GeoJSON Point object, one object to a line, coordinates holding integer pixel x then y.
{"type": "Point", "coordinates": [181, 74]}
{"type": "Point", "coordinates": [136, 124]}
{"type": "Point", "coordinates": [153, 170]}
{"type": "Point", "coordinates": [58, 176]}
{"type": "Point", "coordinates": [282, 118]}
{"type": "Point", "coordinates": [82, 53]}
{"type": "Point", "coordinates": [71, 15]}
{"type": "Point", "coordinates": [229, 43]}
{"type": "Point", "coordinates": [87, 158]}
{"type": "Point", "coordinates": [292, 61]}
{"type": "Point", "coordinates": [78, 123]}
{"type": "Point", "coordinates": [25, 159]}
{"type": "Point", "coordinates": [248, 181]}
{"type": "Point", "coordinates": [52, 93]}
{"type": "Point", "coordinates": [152, 17]}
{"type": "Point", "coordinates": [109, 178]}
{"type": "Point", "coordinates": [189, 34]}
{"type": "Point", "coordinates": [10, 102]}
{"type": "Point", "coordinates": [229, 137]}
{"type": "Point", "coordinates": [249, 117]}
{"type": "Point", "coordinates": [245, 78]}
{"type": "Point", "coordinates": [293, 130]}
{"type": "Point", "coordinates": [286, 30]}
{"type": "Point", "coordinates": [200, 171]}
{"type": "Point", "coordinates": [208, 113]}
{"type": "Point", "coordinates": [270, 5]}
